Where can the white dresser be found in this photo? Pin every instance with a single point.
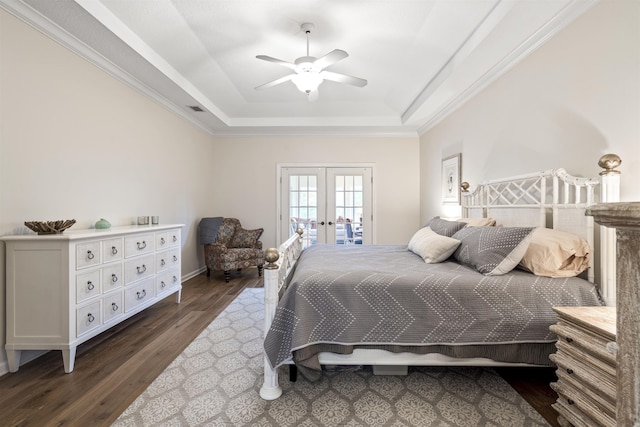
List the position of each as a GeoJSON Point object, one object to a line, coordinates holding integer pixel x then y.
{"type": "Point", "coordinates": [586, 363]}
{"type": "Point", "coordinates": [64, 289]}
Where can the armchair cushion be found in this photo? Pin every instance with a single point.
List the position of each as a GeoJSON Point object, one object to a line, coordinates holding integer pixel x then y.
{"type": "Point", "coordinates": [245, 238]}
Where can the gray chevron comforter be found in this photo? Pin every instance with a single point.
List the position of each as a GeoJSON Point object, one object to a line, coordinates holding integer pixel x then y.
{"type": "Point", "coordinates": [382, 296]}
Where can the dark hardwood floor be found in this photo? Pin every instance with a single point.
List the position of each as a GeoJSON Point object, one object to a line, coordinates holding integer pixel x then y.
{"type": "Point", "coordinates": [112, 369]}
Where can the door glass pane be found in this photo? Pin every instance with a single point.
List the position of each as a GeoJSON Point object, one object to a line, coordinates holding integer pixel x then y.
{"type": "Point", "coordinates": [349, 209]}
{"type": "Point", "coordinates": [303, 199]}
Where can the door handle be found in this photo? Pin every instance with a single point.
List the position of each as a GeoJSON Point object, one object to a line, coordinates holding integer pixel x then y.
{"type": "Point", "coordinates": [321, 222]}
{"type": "Point", "coordinates": [330, 223]}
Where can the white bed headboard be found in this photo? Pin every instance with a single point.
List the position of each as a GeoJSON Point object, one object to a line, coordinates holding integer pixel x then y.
{"type": "Point", "coordinates": [558, 200]}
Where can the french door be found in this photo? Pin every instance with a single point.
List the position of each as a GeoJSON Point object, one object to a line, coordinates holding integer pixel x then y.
{"type": "Point", "coordinates": [330, 204]}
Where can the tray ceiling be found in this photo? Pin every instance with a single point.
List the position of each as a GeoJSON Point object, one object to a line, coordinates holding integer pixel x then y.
{"type": "Point", "coordinates": [422, 59]}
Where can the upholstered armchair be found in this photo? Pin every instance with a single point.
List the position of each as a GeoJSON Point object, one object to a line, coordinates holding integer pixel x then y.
{"type": "Point", "coordinates": [234, 248]}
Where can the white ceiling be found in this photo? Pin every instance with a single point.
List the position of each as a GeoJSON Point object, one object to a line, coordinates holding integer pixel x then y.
{"type": "Point", "coordinates": [421, 58]}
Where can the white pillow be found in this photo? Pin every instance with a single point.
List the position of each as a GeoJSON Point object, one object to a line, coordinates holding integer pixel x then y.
{"type": "Point", "coordinates": [478, 222]}
{"type": "Point", "coordinates": [431, 246]}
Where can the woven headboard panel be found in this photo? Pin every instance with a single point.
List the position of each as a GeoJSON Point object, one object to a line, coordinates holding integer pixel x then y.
{"type": "Point", "coordinates": [552, 199]}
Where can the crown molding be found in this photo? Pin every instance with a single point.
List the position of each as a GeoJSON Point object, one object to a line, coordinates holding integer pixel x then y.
{"type": "Point", "coordinates": [563, 18]}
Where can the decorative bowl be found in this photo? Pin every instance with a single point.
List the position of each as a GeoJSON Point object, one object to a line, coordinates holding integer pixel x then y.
{"type": "Point", "coordinates": [49, 227]}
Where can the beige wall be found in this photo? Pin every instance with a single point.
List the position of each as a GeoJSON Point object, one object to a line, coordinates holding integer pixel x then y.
{"type": "Point", "coordinates": [574, 99]}
{"type": "Point", "coordinates": [76, 143]}
{"type": "Point", "coordinates": [245, 176]}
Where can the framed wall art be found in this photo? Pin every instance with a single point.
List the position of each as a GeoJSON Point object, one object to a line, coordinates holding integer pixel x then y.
{"type": "Point", "coordinates": [451, 179]}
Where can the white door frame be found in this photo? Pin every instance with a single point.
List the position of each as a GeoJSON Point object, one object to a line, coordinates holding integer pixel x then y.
{"type": "Point", "coordinates": [280, 166]}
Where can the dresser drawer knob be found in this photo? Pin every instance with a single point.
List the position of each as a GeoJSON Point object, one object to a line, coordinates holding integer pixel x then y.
{"type": "Point", "coordinates": [90, 285]}
{"type": "Point", "coordinates": [114, 250]}
{"type": "Point", "coordinates": [91, 317]}
{"type": "Point", "coordinates": [175, 279]}
{"type": "Point", "coordinates": [162, 262]}
{"type": "Point", "coordinates": [114, 278]}
{"type": "Point", "coordinates": [141, 245]}
{"type": "Point", "coordinates": [569, 371]}
{"type": "Point", "coordinates": [90, 255]}
{"type": "Point", "coordinates": [141, 269]}
{"type": "Point", "coordinates": [162, 284]}
{"type": "Point", "coordinates": [141, 295]}
{"type": "Point", "coordinates": [175, 238]}
{"type": "Point", "coordinates": [175, 258]}
{"type": "Point", "coordinates": [162, 241]}
{"type": "Point", "coordinates": [114, 306]}
{"type": "Point", "coordinates": [569, 340]}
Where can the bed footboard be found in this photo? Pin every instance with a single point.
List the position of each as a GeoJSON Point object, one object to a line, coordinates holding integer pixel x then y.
{"type": "Point", "coordinates": [280, 263]}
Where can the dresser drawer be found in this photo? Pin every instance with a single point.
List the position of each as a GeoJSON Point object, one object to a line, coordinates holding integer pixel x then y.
{"type": "Point", "coordinates": [88, 318]}
{"type": "Point", "coordinates": [112, 277]}
{"type": "Point", "coordinates": [87, 254]}
{"type": "Point", "coordinates": [167, 259]}
{"type": "Point", "coordinates": [167, 281]}
{"type": "Point", "coordinates": [165, 239]}
{"type": "Point", "coordinates": [139, 268]}
{"type": "Point", "coordinates": [138, 294]}
{"type": "Point", "coordinates": [87, 285]}
{"type": "Point", "coordinates": [112, 306]}
{"type": "Point", "coordinates": [137, 245]}
{"type": "Point", "coordinates": [112, 250]}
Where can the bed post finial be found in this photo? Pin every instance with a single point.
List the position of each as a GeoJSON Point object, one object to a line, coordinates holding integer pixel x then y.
{"type": "Point", "coordinates": [464, 186]}
{"type": "Point", "coordinates": [609, 162]}
{"type": "Point", "coordinates": [271, 255]}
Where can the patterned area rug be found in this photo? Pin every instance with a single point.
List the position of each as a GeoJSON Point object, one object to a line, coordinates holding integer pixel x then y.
{"type": "Point", "coordinates": [215, 382]}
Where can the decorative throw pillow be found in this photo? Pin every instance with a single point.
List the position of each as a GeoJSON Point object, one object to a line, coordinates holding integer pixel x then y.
{"type": "Point", "coordinates": [555, 253]}
{"type": "Point", "coordinates": [431, 246]}
{"type": "Point", "coordinates": [245, 238]}
{"type": "Point", "coordinates": [492, 250]}
{"type": "Point", "coordinates": [444, 227]}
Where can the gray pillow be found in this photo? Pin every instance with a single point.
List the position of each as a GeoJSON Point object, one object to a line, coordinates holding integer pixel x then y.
{"type": "Point", "coordinates": [444, 227]}
{"type": "Point", "coordinates": [492, 251]}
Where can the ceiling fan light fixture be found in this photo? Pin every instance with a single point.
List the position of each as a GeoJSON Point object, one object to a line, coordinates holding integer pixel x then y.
{"type": "Point", "coordinates": [308, 81]}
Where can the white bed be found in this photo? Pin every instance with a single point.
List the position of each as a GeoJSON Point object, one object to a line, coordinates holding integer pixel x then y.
{"type": "Point", "coordinates": [549, 199]}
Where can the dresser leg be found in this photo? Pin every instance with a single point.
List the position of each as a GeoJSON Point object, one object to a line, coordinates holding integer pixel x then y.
{"type": "Point", "coordinates": [13, 358]}
{"type": "Point", "coordinates": [69, 359]}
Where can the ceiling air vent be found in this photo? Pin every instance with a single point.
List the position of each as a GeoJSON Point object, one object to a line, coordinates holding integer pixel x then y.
{"type": "Point", "coordinates": [195, 108]}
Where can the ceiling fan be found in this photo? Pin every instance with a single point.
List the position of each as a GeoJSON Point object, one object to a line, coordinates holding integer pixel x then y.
{"type": "Point", "coordinates": [310, 71]}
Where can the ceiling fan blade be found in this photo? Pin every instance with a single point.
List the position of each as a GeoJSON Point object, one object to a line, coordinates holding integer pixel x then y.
{"type": "Point", "coordinates": [277, 61]}
{"type": "Point", "coordinates": [276, 82]}
{"type": "Point", "coordinates": [343, 78]}
{"type": "Point", "coordinates": [330, 58]}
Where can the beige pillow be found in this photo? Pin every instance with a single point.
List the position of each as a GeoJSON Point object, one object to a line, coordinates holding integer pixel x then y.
{"type": "Point", "coordinates": [555, 253]}
{"type": "Point", "coordinates": [478, 222]}
{"type": "Point", "coordinates": [431, 246]}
